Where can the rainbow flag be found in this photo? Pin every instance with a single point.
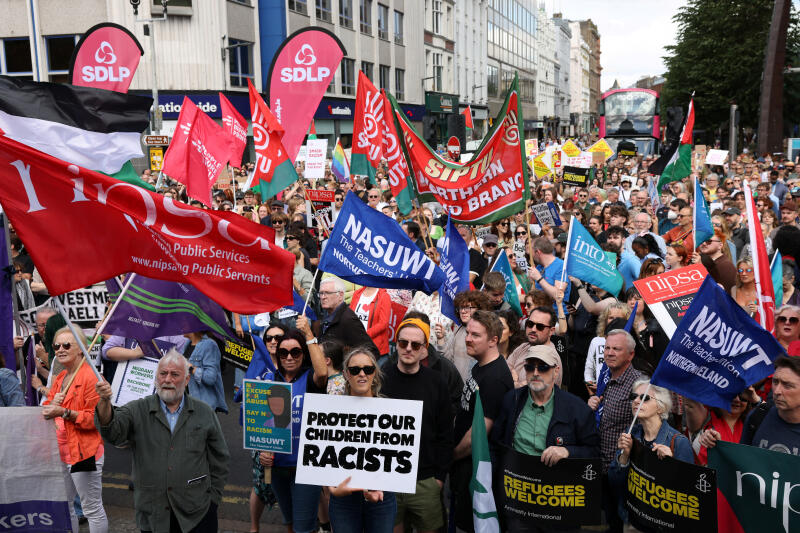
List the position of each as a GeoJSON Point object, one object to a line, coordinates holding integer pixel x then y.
{"type": "Point", "coordinates": [340, 166]}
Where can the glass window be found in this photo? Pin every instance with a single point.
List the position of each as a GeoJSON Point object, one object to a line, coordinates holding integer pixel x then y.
{"type": "Point", "coordinates": [240, 62]}
{"type": "Point", "coordinates": [346, 13]}
{"type": "Point", "coordinates": [398, 27]}
{"type": "Point", "coordinates": [366, 68]}
{"type": "Point", "coordinates": [298, 6]}
{"type": "Point", "coordinates": [492, 80]}
{"type": "Point", "coordinates": [437, 72]}
{"type": "Point", "coordinates": [383, 76]}
{"type": "Point", "coordinates": [59, 53]}
{"type": "Point", "coordinates": [348, 67]}
{"type": "Point", "coordinates": [18, 57]}
{"type": "Point", "coordinates": [366, 16]}
{"type": "Point", "coordinates": [399, 84]}
{"type": "Point", "coordinates": [383, 22]}
{"type": "Point", "coordinates": [324, 10]}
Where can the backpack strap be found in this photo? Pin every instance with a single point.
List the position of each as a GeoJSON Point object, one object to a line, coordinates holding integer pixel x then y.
{"type": "Point", "coordinates": [672, 444]}
{"type": "Point", "coordinates": [757, 417]}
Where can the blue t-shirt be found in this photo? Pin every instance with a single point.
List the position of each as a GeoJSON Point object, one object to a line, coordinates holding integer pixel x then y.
{"type": "Point", "coordinates": [773, 434]}
{"type": "Point", "coordinates": [551, 274]}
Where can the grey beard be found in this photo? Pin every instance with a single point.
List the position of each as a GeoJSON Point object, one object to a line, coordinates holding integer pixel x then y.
{"type": "Point", "coordinates": [169, 396]}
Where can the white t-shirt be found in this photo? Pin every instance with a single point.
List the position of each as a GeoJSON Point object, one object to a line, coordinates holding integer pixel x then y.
{"type": "Point", "coordinates": [362, 308]}
{"type": "Point", "coordinates": [594, 359]}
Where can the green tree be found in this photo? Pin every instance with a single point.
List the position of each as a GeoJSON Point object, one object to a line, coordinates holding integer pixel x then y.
{"type": "Point", "coordinates": [719, 54]}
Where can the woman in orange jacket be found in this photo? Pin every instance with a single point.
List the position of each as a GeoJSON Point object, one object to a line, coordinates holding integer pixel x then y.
{"type": "Point", "coordinates": [71, 402]}
{"type": "Point", "coordinates": [373, 306]}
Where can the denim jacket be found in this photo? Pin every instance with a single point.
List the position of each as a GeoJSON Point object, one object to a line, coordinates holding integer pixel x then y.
{"type": "Point", "coordinates": [206, 381]}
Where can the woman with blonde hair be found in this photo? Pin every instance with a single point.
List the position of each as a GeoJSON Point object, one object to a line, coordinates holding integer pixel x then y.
{"type": "Point", "coordinates": [744, 292]}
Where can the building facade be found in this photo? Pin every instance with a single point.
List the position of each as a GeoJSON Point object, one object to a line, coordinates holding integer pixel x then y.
{"type": "Point", "coordinates": [592, 37]}
{"type": "Point", "coordinates": [471, 59]}
{"type": "Point", "coordinates": [546, 74]}
{"type": "Point", "coordinates": [563, 95]}
{"type": "Point", "coordinates": [580, 108]}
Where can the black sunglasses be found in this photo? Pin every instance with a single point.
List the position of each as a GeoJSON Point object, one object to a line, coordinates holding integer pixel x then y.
{"type": "Point", "coordinates": [270, 338]}
{"type": "Point", "coordinates": [65, 345]}
{"type": "Point", "coordinates": [356, 370]}
{"type": "Point", "coordinates": [520, 233]}
{"type": "Point", "coordinates": [540, 367]}
{"type": "Point", "coordinates": [402, 343]}
{"type": "Point", "coordinates": [539, 327]}
{"type": "Point", "coordinates": [296, 353]}
{"type": "Point", "coordinates": [644, 397]}
{"type": "Point", "coordinates": [793, 320]}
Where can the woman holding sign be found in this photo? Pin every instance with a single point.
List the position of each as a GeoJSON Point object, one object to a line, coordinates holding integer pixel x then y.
{"type": "Point", "coordinates": [356, 510]}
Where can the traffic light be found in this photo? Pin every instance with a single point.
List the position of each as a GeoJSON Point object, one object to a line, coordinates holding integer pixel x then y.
{"type": "Point", "coordinates": [456, 126]}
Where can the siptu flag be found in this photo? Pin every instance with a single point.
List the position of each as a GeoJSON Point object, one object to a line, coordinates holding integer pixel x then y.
{"type": "Point", "coordinates": [231, 260]}
{"type": "Point", "coordinates": [236, 126]}
{"type": "Point", "coordinates": [468, 117]}
{"type": "Point", "coordinates": [586, 261]}
{"type": "Point", "coordinates": [367, 129]}
{"type": "Point", "coordinates": [676, 163]}
{"type": "Point", "coordinates": [368, 248]}
{"type": "Point", "coordinates": [274, 170]}
{"type": "Point", "coordinates": [197, 153]}
{"type": "Point", "coordinates": [761, 270]}
{"type": "Point", "coordinates": [777, 277]}
{"type": "Point", "coordinates": [717, 350]}
{"type": "Point", "coordinates": [454, 262]}
{"type": "Point", "coordinates": [484, 510]}
{"type": "Point", "coordinates": [340, 166]}
{"type": "Point", "coordinates": [703, 228]}
{"type": "Point", "coordinates": [398, 173]}
{"type": "Point", "coordinates": [511, 295]}
{"type": "Point", "coordinates": [92, 128]}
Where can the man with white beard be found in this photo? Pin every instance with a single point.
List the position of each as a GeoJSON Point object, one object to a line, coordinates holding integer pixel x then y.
{"type": "Point", "coordinates": [180, 458]}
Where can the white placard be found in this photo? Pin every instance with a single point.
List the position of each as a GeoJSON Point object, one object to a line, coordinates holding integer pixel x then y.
{"type": "Point", "coordinates": [336, 429]}
{"type": "Point", "coordinates": [543, 215]}
{"type": "Point", "coordinates": [301, 155]}
{"type": "Point", "coordinates": [520, 254]}
{"type": "Point", "coordinates": [315, 158]}
{"type": "Point", "coordinates": [134, 379]}
{"type": "Point", "coordinates": [87, 306]}
{"type": "Point", "coordinates": [716, 157]}
{"type": "Point", "coordinates": [582, 161]}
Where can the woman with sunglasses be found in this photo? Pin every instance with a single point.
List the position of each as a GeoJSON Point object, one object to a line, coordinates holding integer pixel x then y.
{"type": "Point", "coordinates": [787, 325]}
{"type": "Point", "coordinates": [279, 223]}
{"type": "Point", "coordinates": [744, 292]}
{"type": "Point", "coordinates": [301, 363]}
{"type": "Point", "coordinates": [354, 510]}
{"type": "Point", "coordinates": [71, 402]}
{"type": "Point", "coordinates": [502, 228]}
{"type": "Point", "coordinates": [724, 425]}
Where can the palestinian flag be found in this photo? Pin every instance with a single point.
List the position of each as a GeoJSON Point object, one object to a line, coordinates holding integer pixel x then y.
{"type": "Point", "coordinates": [676, 163]}
{"type": "Point", "coordinates": [468, 117]}
{"type": "Point", "coordinates": [92, 128]}
{"type": "Point", "coordinates": [128, 174]}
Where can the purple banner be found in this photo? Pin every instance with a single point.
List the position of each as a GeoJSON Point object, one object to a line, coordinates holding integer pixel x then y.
{"type": "Point", "coordinates": [35, 516]}
{"type": "Point", "coordinates": [6, 305]}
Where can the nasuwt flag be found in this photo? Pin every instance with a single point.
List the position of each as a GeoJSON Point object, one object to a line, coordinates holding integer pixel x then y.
{"type": "Point", "coordinates": [454, 262]}
{"type": "Point", "coordinates": [777, 277]}
{"type": "Point", "coordinates": [511, 295]}
{"type": "Point", "coordinates": [703, 229]}
{"type": "Point", "coordinates": [92, 128]}
{"type": "Point", "coordinates": [156, 308]}
{"type": "Point", "coordinates": [197, 153]}
{"type": "Point", "coordinates": [717, 350]}
{"type": "Point", "coordinates": [236, 126]}
{"type": "Point", "coordinates": [112, 227]}
{"type": "Point", "coordinates": [676, 163]}
{"type": "Point", "coordinates": [484, 509]}
{"type": "Point", "coordinates": [367, 129]}
{"type": "Point", "coordinates": [340, 166]}
{"type": "Point", "coordinates": [298, 305]}
{"type": "Point", "coordinates": [468, 118]}
{"type": "Point", "coordinates": [368, 248]}
{"type": "Point", "coordinates": [585, 260]}
{"type": "Point", "coordinates": [761, 270]}
{"type": "Point", "coordinates": [398, 173]}
{"type": "Point", "coordinates": [490, 186]}
{"type": "Point", "coordinates": [274, 170]}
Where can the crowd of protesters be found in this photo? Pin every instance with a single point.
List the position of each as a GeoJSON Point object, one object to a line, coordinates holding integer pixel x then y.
{"type": "Point", "coordinates": [536, 373]}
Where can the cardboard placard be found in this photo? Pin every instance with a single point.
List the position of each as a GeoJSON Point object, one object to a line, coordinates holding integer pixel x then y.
{"type": "Point", "coordinates": [267, 409]}
{"type": "Point", "coordinates": [547, 213]}
{"type": "Point", "coordinates": [317, 149]}
{"type": "Point", "coordinates": [133, 379]}
{"type": "Point", "coordinates": [576, 176]}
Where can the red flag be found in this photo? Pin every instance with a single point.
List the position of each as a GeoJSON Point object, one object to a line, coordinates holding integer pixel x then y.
{"type": "Point", "coordinates": [761, 270]}
{"type": "Point", "coordinates": [112, 227]}
{"type": "Point", "coordinates": [236, 126]}
{"type": "Point", "coordinates": [468, 117]}
{"type": "Point", "coordinates": [367, 129]}
{"type": "Point", "coordinates": [274, 171]}
{"type": "Point", "coordinates": [199, 149]}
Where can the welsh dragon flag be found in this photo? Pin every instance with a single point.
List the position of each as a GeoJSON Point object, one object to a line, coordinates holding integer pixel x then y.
{"type": "Point", "coordinates": [484, 510]}
{"type": "Point", "coordinates": [274, 170]}
{"type": "Point", "coordinates": [676, 163]}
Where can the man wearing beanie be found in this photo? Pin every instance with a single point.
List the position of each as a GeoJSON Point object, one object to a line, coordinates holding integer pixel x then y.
{"type": "Point", "coordinates": [409, 380]}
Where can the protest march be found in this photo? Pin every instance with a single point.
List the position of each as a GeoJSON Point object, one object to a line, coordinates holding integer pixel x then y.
{"type": "Point", "coordinates": [365, 315]}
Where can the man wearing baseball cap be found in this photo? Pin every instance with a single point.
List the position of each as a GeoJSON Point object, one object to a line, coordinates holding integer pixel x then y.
{"type": "Point", "coordinates": [544, 420]}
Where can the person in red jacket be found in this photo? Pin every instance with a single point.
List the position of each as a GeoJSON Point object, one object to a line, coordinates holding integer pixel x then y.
{"type": "Point", "coordinates": [372, 306]}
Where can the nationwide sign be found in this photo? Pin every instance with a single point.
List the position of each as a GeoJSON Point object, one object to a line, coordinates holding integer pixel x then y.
{"type": "Point", "coordinates": [490, 186]}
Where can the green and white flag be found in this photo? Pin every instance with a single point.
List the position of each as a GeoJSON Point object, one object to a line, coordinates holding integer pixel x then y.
{"type": "Point", "coordinates": [484, 511]}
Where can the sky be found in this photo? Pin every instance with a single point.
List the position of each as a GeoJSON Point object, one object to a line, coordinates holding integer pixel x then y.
{"type": "Point", "coordinates": [633, 34]}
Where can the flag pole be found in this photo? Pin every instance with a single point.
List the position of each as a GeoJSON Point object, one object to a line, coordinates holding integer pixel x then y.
{"type": "Point", "coordinates": [83, 348]}
{"type": "Point", "coordinates": [313, 284]}
{"type": "Point", "coordinates": [566, 252]}
{"type": "Point", "coordinates": [110, 312]}
{"type": "Point", "coordinates": [159, 181]}
{"type": "Point", "coordinates": [694, 216]}
{"type": "Point", "coordinates": [528, 240]}
{"type": "Point", "coordinates": [752, 219]}
{"type": "Point", "coordinates": [636, 415]}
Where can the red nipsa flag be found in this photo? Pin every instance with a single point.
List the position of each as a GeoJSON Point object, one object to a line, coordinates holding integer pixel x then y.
{"type": "Point", "coordinates": [236, 126]}
{"type": "Point", "coordinates": [111, 227]}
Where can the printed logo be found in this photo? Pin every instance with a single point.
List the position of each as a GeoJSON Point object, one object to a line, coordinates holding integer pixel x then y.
{"type": "Point", "coordinates": [105, 54]}
{"type": "Point", "coordinates": [305, 56]}
{"type": "Point", "coordinates": [589, 474]}
{"type": "Point", "coordinates": [186, 127]}
{"type": "Point", "coordinates": [702, 484]}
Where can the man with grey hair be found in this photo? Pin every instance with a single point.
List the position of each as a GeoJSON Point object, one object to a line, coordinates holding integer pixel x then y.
{"type": "Point", "coordinates": [180, 458]}
{"type": "Point", "coordinates": [616, 414]}
{"type": "Point", "coordinates": [643, 223]}
{"type": "Point", "coordinates": [341, 323]}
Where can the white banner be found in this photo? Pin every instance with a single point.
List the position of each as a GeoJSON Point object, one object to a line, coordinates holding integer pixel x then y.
{"type": "Point", "coordinates": [716, 157]}
{"type": "Point", "coordinates": [134, 379]}
{"type": "Point", "coordinates": [85, 306]}
{"type": "Point", "coordinates": [315, 158]}
{"type": "Point", "coordinates": [375, 441]}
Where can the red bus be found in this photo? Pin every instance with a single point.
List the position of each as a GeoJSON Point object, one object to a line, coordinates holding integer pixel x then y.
{"type": "Point", "coordinates": [631, 115]}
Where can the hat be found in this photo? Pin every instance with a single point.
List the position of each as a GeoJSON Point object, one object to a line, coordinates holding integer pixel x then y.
{"type": "Point", "coordinates": [795, 191]}
{"type": "Point", "coordinates": [789, 205]}
{"type": "Point", "coordinates": [732, 211]}
{"type": "Point", "coordinates": [562, 237]}
{"type": "Point", "coordinates": [627, 178]}
{"type": "Point", "coordinates": [417, 323]}
{"type": "Point", "coordinates": [490, 239]}
{"type": "Point", "coordinates": [276, 203]}
{"type": "Point", "coordinates": [546, 354]}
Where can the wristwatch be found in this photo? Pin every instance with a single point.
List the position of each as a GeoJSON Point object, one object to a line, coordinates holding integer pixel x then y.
{"type": "Point", "coordinates": [65, 414]}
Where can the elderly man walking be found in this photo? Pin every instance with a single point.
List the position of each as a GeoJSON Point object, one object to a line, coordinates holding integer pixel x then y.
{"type": "Point", "coordinates": [180, 458]}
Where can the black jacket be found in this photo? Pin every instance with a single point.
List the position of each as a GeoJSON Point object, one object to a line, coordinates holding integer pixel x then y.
{"type": "Point", "coordinates": [344, 326]}
{"type": "Point", "coordinates": [572, 424]}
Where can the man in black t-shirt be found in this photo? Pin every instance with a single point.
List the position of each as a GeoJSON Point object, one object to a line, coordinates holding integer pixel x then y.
{"type": "Point", "coordinates": [492, 377]}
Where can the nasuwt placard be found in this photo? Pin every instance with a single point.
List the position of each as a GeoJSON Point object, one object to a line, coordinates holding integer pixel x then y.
{"type": "Point", "coordinates": [267, 416]}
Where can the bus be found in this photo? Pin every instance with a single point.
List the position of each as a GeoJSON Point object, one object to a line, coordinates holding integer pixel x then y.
{"type": "Point", "coordinates": [631, 115]}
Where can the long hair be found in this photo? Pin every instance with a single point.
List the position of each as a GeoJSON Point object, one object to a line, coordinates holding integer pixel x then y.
{"type": "Point", "coordinates": [301, 340]}
{"type": "Point", "coordinates": [376, 377]}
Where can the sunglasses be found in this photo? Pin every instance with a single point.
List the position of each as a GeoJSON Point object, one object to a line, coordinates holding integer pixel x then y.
{"type": "Point", "coordinates": [356, 370]}
{"type": "Point", "coordinates": [503, 224]}
{"type": "Point", "coordinates": [402, 343]}
{"type": "Point", "coordinates": [274, 222]}
{"type": "Point", "coordinates": [270, 338]}
{"type": "Point", "coordinates": [644, 397]}
{"type": "Point", "coordinates": [540, 367]}
{"type": "Point", "coordinates": [743, 270]}
{"type": "Point", "coordinates": [539, 327]}
{"type": "Point", "coordinates": [490, 245]}
{"type": "Point", "coordinates": [65, 345]}
{"type": "Point", "coordinates": [793, 320]}
{"type": "Point", "coordinates": [295, 353]}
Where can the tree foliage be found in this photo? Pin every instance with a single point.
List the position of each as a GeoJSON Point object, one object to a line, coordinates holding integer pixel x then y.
{"type": "Point", "coordinates": [719, 54]}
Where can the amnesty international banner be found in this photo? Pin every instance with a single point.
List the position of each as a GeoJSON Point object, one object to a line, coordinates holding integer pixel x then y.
{"type": "Point", "coordinates": [539, 496]}
{"type": "Point", "coordinates": [670, 495]}
{"type": "Point", "coordinates": [576, 176]}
